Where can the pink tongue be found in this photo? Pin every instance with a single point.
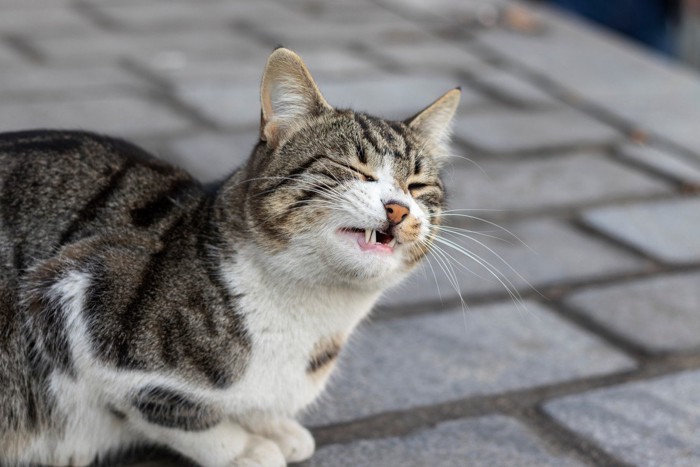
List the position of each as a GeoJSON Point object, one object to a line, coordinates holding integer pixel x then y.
{"type": "Point", "coordinates": [376, 247]}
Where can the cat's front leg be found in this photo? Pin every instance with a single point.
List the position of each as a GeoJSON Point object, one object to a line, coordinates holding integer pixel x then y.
{"type": "Point", "coordinates": [296, 442]}
{"type": "Point", "coordinates": [226, 444]}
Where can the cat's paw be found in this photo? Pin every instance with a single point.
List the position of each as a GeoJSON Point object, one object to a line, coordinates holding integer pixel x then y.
{"type": "Point", "coordinates": [260, 452]}
{"type": "Point", "coordinates": [296, 442]}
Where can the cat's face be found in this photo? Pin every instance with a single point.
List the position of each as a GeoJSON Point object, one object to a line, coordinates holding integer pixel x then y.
{"type": "Point", "coordinates": [337, 195]}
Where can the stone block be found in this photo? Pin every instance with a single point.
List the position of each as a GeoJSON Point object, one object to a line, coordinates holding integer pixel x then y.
{"type": "Point", "coordinates": [659, 314]}
{"type": "Point", "coordinates": [506, 131]}
{"type": "Point", "coordinates": [666, 230]}
{"type": "Point", "coordinates": [340, 33]}
{"type": "Point", "coordinates": [478, 442]}
{"type": "Point", "coordinates": [46, 22]}
{"type": "Point", "coordinates": [231, 70]}
{"type": "Point", "coordinates": [170, 16]}
{"type": "Point", "coordinates": [514, 89]}
{"type": "Point", "coordinates": [451, 10]}
{"type": "Point", "coordinates": [431, 56]}
{"type": "Point", "coordinates": [118, 116]}
{"type": "Point", "coordinates": [547, 253]}
{"type": "Point", "coordinates": [166, 47]}
{"type": "Point", "coordinates": [403, 363]}
{"type": "Point", "coordinates": [396, 97]}
{"type": "Point", "coordinates": [572, 180]}
{"type": "Point", "coordinates": [355, 11]}
{"type": "Point", "coordinates": [595, 65]}
{"type": "Point", "coordinates": [210, 157]}
{"type": "Point", "coordinates": [647, 423]}
{"type": "Point", "coordinates": [683, 169]}
{"type": "Point", "coordinates": [9, 57]}
{"type": "Point", "coordinates": [38, 83]}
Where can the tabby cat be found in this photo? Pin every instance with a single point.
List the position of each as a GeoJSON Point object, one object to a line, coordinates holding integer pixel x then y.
{"type": "Point", "coordinates": [139, 307]}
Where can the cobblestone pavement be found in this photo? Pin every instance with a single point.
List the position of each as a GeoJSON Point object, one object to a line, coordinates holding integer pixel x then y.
{"type": "Point", "coordinates": [580, 344]}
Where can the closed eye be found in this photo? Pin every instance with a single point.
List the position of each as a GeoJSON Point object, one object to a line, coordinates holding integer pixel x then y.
{"type": "Point", "coordinates": [364, 176]}
{"type": "Point", "coordinates": [416, 186]}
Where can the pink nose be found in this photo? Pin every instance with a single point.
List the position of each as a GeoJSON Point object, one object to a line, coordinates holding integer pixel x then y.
{"type": "Point", "coordinates": [396, 212]}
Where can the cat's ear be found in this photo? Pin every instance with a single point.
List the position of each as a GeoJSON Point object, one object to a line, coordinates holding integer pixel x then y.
{"type": "Point", "coordinates": [288, 94]}
{"type": "Point", "coordinates": [434, 123]}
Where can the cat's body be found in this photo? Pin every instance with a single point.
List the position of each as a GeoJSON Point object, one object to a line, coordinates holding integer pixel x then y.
{"type": "Point", "coordinates": [138, 307]}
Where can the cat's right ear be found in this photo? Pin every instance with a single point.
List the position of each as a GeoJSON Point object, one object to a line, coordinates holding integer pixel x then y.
{"type": "Point", "coordinates": [434, 122]}
{"type": "Point", "coordinates": [288, 94]}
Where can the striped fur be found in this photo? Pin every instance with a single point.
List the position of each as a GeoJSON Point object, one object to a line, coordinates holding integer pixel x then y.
{"type": "Point", "coordinates": [135, 305]}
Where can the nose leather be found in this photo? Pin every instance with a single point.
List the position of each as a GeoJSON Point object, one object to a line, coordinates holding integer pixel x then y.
{"type": "Point", "coordinates": [396, 212]}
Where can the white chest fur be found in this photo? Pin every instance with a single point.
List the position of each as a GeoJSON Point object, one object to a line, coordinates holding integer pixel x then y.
{"type": "Point", "coordinates": [286, 322]}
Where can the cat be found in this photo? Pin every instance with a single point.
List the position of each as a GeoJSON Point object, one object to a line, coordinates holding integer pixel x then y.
{"type": "Point", "coordinates": [139, 307]}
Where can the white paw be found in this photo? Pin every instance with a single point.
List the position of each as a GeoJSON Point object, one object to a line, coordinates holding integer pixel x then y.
{"type": "Point", "coordinates": [260, 452]}
{"type": "Point", "coordinates": [295, 441]}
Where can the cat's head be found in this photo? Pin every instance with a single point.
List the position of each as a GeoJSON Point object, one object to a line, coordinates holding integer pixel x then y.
{"type": "Point", "coordinates": [337, 195]}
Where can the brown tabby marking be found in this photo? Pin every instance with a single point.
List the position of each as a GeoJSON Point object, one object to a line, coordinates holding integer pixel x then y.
{"type": "Point", "coordinates": [325, 353]}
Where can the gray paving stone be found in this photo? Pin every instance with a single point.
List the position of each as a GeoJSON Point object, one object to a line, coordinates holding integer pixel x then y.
{"type": "Point", "coordinates": [409, 362]}
{"type": "Point", "coordinates": [659, 314]}
{"type": "Point", "coordinates": [46, 22]}
{"type": "Point", "coordinates": [210, 157]}
{"type": "Point", "coordinates": [680, 130]}
{"type": "Point", "coordinates": [340, 33]}
{"type": "Point", "coordinates": [38, 83]}
{"type": "Point", "coordinates": [231, 106]}
{"type": "Point", "coordinates": [431, 56]}
{"type": "Point", "coordinates": [552, 253]}
{"type": "Point", "coordinates": [570, 180]}
{"type": "Point", "coordinates": [228, 71]}
{"type": "Point", "coordinates": [9, 57]}
{"type": "Point", "coordinates": [219, 71]}
{"type": "Point", "coordinates": [230, 94]}
{"type": "Point", "coordinates": [515, 89]}
{"type": "Point", "coordinates": [396, 96]}
{"type": "Point", "coordinates": [154, 16]}
{"type": "Point", "coordinates": [661, 98]}
{"type": "Point", "coordinates": [337, 64]}
{"type": "Point", "coordinates": [125, 115]}
{"type": "Point", "coordinates": [453, 10]}
{"type": "Point", "coordinates": [649, 423]}
{"type": "Point", "coordinates": [588, 60]}
{"type": "Point", "coordinates": [489, 441]}
{"type": "Point", "coordinates": [7, 5]}
{"type": "Point", "coordinates": [392, 96]}
{"type": "Point", "coordinates": [666, 230]}
{"type": "Point", "coordinates": [665, 162]}
{"type": "Point", "coordinates": [507, 130]}
{"type": "Point", "coordinates": [137, 3]}
{"type": "Point", "coordinates": [341, 10]}
{"type": "Point", "coordinates": [177, 46]}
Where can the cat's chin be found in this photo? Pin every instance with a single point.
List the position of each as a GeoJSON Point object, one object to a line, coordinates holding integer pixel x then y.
{"type": "Point", "coordinates": [377, 263]}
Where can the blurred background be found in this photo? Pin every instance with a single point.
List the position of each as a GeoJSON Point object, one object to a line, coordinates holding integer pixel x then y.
{"type": "Point", "coordinates": [558, 320]}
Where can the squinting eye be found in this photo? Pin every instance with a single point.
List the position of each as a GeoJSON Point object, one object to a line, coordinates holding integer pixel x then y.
{"type": "Point", "coordinates": [416, 186]}
{"type": "Point", "coordinates": [369, 178]}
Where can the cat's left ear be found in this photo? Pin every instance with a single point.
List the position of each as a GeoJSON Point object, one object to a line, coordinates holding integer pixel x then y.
{"type": "Point", "coordinates": [288, 94]}
{"type": "Point", "coordinates": [434, 123]}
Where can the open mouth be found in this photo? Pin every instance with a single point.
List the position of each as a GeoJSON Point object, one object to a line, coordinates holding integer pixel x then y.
{"type": "Point", "coordinates": [372, 240]}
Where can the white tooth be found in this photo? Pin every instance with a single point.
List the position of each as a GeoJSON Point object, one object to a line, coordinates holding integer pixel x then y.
{"type": "Point", "coordinates": [374, 237]}
{"type": "Point", "coordinates": [368, 234]}
{"type": "Point", "coordinates": [392, 243]}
